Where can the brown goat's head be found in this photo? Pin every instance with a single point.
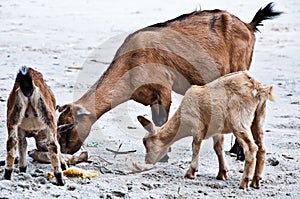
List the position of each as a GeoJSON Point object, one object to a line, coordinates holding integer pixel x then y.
{"type": "Point", "coordinates": [159, 99]}
{"type": "Point", "coordinates": [73, 127]}
{"type": "Point", "coordinates": [155, 149]}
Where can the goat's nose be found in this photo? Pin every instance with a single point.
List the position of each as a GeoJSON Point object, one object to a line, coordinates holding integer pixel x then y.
{"type": "Point", "coordinates": [147, 161]}
{"type": "Point", "coordinates": [160, 123]}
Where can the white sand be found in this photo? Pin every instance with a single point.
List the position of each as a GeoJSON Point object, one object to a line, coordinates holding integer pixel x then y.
{"type": "Point", "coordinates": [52, 35]}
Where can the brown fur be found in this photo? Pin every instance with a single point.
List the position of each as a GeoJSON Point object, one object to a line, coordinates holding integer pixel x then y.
{"type": "Point", "coordinates": [32, 116]}
{"type": "Point", "coordinates": [192, 49]}
{"type": "Point", "coordinates": [233, 103]}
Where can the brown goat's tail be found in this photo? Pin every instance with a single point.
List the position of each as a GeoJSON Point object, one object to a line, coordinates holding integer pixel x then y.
{"type": "Point", "coordinates": [25, 81]}
{"type": "Point", "coordinates": [263, 14]}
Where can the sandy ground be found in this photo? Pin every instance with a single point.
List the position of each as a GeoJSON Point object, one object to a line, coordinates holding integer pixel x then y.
{"type": "Point", "coordinates": [53, 36]}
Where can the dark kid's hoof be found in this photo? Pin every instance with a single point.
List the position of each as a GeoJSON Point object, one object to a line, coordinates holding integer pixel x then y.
{"type": "Point", "coordinates": [59, 179]}
{"type": "Point", "coordinates": [23, 169]}
{"type": "Point", "coordinates": [7, 174]}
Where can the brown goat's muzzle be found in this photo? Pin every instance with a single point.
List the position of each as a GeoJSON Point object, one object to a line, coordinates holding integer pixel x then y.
{"type": "Point", "coordinates": [159, 114]}
{"type": "Point", "coordinates": [68, 138]}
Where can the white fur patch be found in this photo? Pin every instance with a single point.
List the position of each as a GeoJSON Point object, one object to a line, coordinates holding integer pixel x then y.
{"type": "Point", "coordinates": [254, 92]}
{"type": "Point", "coordinates": [82, 111]}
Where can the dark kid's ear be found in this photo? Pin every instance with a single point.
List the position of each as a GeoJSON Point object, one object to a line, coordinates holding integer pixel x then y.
{"type": "Point", "coordinates": [146, 124]}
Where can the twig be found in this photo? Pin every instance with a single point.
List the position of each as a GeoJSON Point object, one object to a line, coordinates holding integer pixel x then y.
{"type": "Point", "coordinates": [138, 169]}
{"type": "Point", "coordinates": [107, 170]}
{"type": "Point", "coordinates": [120, 152]}
{"type": "Point", "coordinates": [287, 157]}
{"type": "Point", "coordinates": [110, 163]}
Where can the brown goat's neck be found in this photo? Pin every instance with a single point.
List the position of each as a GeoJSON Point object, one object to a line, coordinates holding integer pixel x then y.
{"type": "Point", "coordinates": [109, 91]}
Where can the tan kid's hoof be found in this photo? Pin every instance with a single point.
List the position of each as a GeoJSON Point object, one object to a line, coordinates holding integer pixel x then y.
{"type": "Point", "coordinates": [190, 174]}
{"type": "Point", "coordinates": [245, 183]}
{"type": "Point", "coordinates": [255, 182]}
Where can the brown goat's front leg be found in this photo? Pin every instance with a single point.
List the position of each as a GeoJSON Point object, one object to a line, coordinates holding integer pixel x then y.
{"type": "Point", "coordinates": [258, 135]}
{"type": "Point", "coordinates": [22, 146]}
{"type": "Point", "coordinates": [245, 139]}
{"type": "Point", "coordinates": [194, 164]}
{"type": "Point", "coordinates": [11, 146]}
{"type": "Point", "coordinates": [54, 150]}
{"type": "Point", "coordinates": [219, 149]}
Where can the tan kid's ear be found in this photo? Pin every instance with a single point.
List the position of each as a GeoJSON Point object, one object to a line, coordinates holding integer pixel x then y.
{"type": "Point", "coordinates": [146, 124]}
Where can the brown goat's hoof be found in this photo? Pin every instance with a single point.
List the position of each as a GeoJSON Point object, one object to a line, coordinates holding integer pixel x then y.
{"type": "Point", "coordinates": [23, 169]}
{"type": "Point", "coordinates": [190, 174]}
{"type": "Point", "coordinates": [7, 174]}
{"type": "Point", "coordinates": [255, 182]}
{"type": "Point", "coordinates": [222, 175]}
{"type": "Point", "coordinates": [59, 179]}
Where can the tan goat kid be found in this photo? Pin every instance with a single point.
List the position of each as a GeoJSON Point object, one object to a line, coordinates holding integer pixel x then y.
{"type": "Point", "coordinates": [31, 113]}
{"type": "Point", "coordinates": [192, 49]}
{"type": "Point", "coordinates": [233, 103]}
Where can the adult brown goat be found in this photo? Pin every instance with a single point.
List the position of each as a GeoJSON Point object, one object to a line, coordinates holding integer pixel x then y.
{"type": "Point", "coordinates": [192, 49]}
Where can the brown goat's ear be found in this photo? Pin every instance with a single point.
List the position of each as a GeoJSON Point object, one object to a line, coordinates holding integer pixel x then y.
{"type": "Point", "coordinates": [66, 107]}
{"type": "Point", "coordinates": [146, 124]}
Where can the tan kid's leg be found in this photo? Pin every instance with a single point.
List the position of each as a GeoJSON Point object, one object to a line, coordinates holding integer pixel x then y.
{"type": "Point", "coordinates": [258, 135]}
{"type": "Point", "coordinates": [219, 149]}
{"type": "Point", "coordinates": [194, 164]}
{"type": "Point", "coordinates": [246, 140]}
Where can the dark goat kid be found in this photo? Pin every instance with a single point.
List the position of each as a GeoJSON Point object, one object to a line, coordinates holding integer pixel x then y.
{"type": "Point", "coordinates": [31, 113]}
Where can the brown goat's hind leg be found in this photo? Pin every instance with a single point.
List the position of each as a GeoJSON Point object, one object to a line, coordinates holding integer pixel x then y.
{"type": "Point", "coordinates": [11, 146]}
{"type": "Point", "coordinates": [54, 151]}
{"type": "Point", "coordinates": [22, 146]}
{"type": "Point", "coordinates": [194, 164]}
{"type": "Point", "coordinates": [219, 149]}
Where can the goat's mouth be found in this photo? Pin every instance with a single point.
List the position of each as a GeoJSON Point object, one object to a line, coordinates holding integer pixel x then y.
{"type": "Point", "coordinates": [149, 160]}
{"type": "Point", "coordinates": [154, 157]}
{"type": "Point", "coordinates": [159, 114]}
